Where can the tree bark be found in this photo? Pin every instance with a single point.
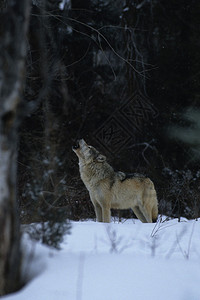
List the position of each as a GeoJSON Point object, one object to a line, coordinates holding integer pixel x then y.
{"type": "Point", "coordinates": [13, 29]}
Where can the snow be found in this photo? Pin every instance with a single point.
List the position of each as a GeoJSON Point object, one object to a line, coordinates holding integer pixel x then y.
{"type": "Point", "coordinates": [116, 261]}
{"type": "Point", "coordinates": [63, 3]}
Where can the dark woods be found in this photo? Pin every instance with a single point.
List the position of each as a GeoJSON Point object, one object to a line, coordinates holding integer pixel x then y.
{"type": "Point", "coordinates": [120, 74]}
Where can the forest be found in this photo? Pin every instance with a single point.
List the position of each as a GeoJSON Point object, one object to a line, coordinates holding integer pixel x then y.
{"type": "Point", "coordinates": [123, 75]}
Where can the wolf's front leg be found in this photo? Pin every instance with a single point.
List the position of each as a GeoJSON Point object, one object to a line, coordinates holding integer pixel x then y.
{"type": "Point", "coordinates": [106, 214]}
{"type": "Point", "coordinates": [98, 212]}
{"type": "Point", "coordinates": [97, 207]}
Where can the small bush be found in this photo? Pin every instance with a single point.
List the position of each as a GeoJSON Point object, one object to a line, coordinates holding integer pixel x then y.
{"type": "Point", "coordinates": [182, 195]}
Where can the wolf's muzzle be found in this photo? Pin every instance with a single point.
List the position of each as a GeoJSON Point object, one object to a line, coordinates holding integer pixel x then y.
{"type": "Point", "coordinates": [76, 146]}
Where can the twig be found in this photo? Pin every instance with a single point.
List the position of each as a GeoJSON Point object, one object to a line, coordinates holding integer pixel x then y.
{"type": "Point", "coordinates": [147, 145]}
{"type": "Point", "coordinates": [186, 253]}
{"type": "Point", "coordinates": [99, 34]}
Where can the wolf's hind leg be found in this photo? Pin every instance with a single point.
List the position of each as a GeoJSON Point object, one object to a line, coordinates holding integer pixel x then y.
{"type": "Point", "coordinates": [155, 213]}
{"type": "Point", "coordinates": [147, 214]}
{"type": "Point", "coordinates": [139, 214]}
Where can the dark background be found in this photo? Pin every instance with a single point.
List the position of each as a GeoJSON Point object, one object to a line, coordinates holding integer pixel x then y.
{"type": "Point", "coordinates": [119, 74]}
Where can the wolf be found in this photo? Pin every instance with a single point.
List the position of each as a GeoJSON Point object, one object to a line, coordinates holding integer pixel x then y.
{"type": "Point", "coordinates": [110, 189]}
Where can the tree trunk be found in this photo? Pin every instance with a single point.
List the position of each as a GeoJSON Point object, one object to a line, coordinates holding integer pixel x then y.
{"type": "Point", "coordinates": [13, 29]}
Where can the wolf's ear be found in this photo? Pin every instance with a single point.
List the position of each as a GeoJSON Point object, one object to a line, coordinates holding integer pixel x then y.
{"type": "Point", "coordinates": [100, 158]}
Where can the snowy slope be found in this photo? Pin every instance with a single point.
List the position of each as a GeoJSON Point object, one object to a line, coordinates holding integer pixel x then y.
{"type": "Point", "coordinates": [117, 261]}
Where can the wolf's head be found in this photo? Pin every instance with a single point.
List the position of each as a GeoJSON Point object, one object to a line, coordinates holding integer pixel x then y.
{"type": "Point", "coordinates": [87, 153]}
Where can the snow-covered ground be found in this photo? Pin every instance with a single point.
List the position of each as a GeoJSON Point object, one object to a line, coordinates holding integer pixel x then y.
{"type": "Point", "coordinates": [116, 261]}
